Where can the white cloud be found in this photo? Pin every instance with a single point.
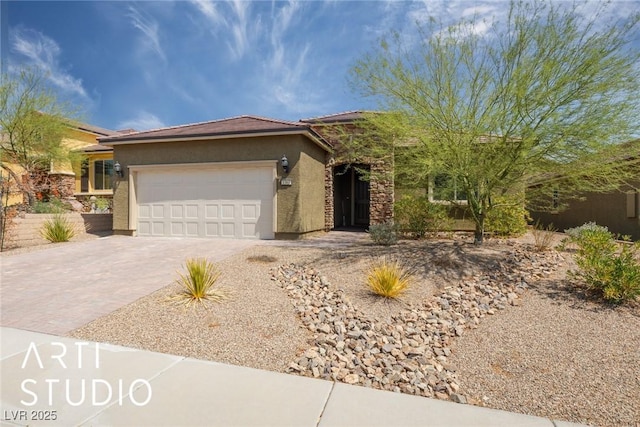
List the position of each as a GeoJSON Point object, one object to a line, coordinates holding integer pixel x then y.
{"type": "Point", "coordinates": [150, 30]}
{"type": "Point", "coordinates": [142, 121]}
{"type": "Point", "coordinates": [236, 20]}
{"type": "Point", "coordinates": [44, 53]}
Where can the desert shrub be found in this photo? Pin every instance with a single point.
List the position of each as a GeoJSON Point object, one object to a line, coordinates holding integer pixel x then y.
{"type": "Point", "coordinates": [102, 204]}
{"type": "Point", "coordinates": [383, 234]}
{"type": "Point", "coordinates": [58, 229]}
{"type": "Point", "coordinates": [604, 265]}
{"type": "Point", "coordinates": [388, 278]}
{"type": "Point", "coordinates": [199, 282]}
{"type": "Point", "coordinates": [508, 217]}
{"type": "Point", "coordinates": [52, 206]}
{"type": "Point", "coordinates": [543, 236]}
{"type": "Point", "coordinates": [419, 217]}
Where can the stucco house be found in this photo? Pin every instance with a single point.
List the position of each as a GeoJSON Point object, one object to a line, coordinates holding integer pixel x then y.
{"type": "Point", "coordinates": [92, 176]}
{"type": "Point", "coordinates": [241, 177]}
{"type": "Point", "coordinates": [618, 210]}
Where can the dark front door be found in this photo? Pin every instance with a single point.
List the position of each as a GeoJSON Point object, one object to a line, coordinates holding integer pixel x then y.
{"type": "Point", "coordinates": [351, 197]}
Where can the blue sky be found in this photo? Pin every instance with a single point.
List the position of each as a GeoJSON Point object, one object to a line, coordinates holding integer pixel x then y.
{"type": "Point", "coordinates": [150, 64]}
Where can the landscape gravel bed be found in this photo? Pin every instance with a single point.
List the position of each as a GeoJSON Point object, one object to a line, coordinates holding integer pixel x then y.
{"type": "Point", "coordinates": [496, 325]}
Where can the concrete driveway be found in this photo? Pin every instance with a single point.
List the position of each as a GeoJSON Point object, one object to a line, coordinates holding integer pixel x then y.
{"type": "Point", "coordinates": [58, 289]}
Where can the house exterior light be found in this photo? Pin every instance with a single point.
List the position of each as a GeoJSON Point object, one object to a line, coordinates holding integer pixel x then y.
{"type": "Point", "coordinates": [284, 162]}
{"type": "Point", "coordinates": [118, 169]}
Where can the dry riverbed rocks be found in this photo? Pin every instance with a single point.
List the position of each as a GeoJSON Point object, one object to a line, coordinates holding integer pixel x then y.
{"type": "Point", "coordinates": [407, 352]}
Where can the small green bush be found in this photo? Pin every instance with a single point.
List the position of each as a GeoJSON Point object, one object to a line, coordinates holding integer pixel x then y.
{"type": "Point", "coordinates": [58, 229]}
{"type": "Point", "coordinates": [603, 265]}
{"type": "Point", "coordinates": [419, 217]}
{"type": "Point", "coordinates": [52, 206]}
{"type": "Point", "coordinates": [199, 282]}
{"type": "Point", "coordinates": [383, 234]}
{"type": "Point", "coordinates": [388, 278]}
{"type": "Point", "coordinates": [508, 217]}
{"type": "Point", "coordinates": [102, 204]}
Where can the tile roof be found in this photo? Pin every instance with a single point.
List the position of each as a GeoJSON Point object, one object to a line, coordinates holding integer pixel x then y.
{"type": "Point", "coordinates": [347, 116]}
{"type": "Point", "coordinates": [234, 126]}
{"type": "Point", "coordinates": [95, 148]}
{"type": "Point", "coordinates": [92, 129]}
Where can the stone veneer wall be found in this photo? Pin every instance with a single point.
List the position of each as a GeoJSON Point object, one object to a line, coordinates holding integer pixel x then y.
{"type": "Point", "coordinates": [62, 185]}
{"type": "Point", "coordinates": [381, 192]}
{"type": "Point", "coordinates": [328, 187]}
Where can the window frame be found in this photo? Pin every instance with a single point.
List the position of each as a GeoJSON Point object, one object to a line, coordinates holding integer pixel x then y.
{"type": "Point", "coordinates": [104, 186]}
{"type": "Point", "coordinates": [432, 190]}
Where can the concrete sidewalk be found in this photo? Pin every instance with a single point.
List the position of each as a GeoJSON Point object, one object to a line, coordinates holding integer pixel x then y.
{"type": "Point", "coordinates": [56, 381]}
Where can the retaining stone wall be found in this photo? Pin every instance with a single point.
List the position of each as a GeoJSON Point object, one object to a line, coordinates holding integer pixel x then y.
{"type": "Point", "coordinates": [25, 230]}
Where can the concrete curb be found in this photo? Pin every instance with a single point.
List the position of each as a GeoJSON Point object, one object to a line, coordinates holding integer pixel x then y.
{"type": "Point", "coordinates": [43, 375]}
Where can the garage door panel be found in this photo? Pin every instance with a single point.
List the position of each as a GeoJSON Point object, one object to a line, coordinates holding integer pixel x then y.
{"type": "Point", "coordinates": [177, 211]}
{"type": "Point", "coordinates": [228, 229]}
{"type": "Point", "coordinates": [192, 229]}
{"type": "Point", "coordinates": [250, 211]}
{"type": "Point", "coordinates": [212, 229]}
{"type": "Point", "coordinates": [206, 202]}
{"type": "Point", "coordinates": [212, 211]}
{"type": "Point", "coordinates": [158, 228]}
{"type": "Point", "coordinates": [228, 211]}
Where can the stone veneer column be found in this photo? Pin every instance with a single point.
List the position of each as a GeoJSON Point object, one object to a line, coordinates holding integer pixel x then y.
{"type": "Point", "coordinates": [328, 192]}
{"type": "Point", "coordinates": [381, 193]}
{"type": "Point", "coordinates": [62, 185]}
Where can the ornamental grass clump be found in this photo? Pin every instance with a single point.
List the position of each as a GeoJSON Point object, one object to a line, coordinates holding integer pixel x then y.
{"type": "Point", "coordinates": [543, 236]}
{"type": "Point", "coordinates": [388, 278]}
{"type": "Point", "coordinates": [199, 282]}
{"type": "Point", "coordinates": [58, 229]}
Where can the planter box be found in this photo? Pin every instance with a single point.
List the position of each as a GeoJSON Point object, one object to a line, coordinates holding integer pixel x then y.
{"type": "Point", "coordinates": [25, 231]}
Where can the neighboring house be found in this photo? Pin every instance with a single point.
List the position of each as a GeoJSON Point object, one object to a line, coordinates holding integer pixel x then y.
{"type": "Point", "coordinates": [227, 178]}
{"type": "Point", "coordinates": [618, 210]}
{"type": "Point", "coordinates": [91, 177]}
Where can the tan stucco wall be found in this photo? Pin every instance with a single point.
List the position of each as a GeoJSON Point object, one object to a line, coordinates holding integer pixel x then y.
{"type": "Point", "coordinates": [300, 207]}
{"type": "Point", "coordinates": [608, 209]}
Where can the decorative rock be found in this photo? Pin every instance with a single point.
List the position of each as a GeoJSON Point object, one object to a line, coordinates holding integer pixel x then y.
{"type": "Point", "coordinates": [409, 352]}
{"type": "Point", "coordinates": [351, 379]}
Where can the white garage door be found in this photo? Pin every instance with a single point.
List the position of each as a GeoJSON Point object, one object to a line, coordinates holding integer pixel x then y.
{"type": "Point", "coordinates": [234, 202]}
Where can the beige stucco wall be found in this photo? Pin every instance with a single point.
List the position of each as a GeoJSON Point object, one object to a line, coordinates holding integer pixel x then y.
{"type": "Point", "coordinates": [608, 209]}
{"type": "Point", "coordinates": [300, 207]}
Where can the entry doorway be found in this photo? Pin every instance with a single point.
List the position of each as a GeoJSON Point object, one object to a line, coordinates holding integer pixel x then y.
{"type": "Point", "coordinates": [350, 196]}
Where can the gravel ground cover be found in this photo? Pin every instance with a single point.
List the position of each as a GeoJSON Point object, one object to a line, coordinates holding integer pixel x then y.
{"type": "Point", "coordinates": [546, 350]}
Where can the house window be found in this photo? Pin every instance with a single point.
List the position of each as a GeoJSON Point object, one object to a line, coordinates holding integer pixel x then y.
{"type": "Point", "coordinates": [84, 176]}
{"type": "Point", "coordinates": [443, 187]}
{"type": "Point", "coordinates": [102, 173]}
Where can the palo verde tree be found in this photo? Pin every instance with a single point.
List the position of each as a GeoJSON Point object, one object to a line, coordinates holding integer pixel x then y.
{"type": "Point", "coordinates": [543, 97]}
{"type": "Point", "coordinates": [32, 125]}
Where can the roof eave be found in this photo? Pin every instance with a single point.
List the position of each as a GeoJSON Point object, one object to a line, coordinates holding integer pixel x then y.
{"type": "Point", "coordinates": [228, 135]}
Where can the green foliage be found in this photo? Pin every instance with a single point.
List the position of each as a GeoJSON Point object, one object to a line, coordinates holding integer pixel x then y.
{"type": "Point", "coordinates": [603, 265]}
{"type": "Point", "coordinates": [199, 282]}
{"type": "Point", "coordinates": [102, 204]}
{"type": "Point", "coordinates": [53, 206]}
{"type": "Point", "coordinates": [507, 217]}
{"type": "Point", "coordinates": [544, 94]}
{"type": "Point", "coordinates": [33, 124]}
{"type": "Point", "coordinates": [58, 229]}
{"type": "Point", "coordinates": [419, 217]}
{"type": "Point", "coordinates": [388, 278]}
{"type": "Point", "coordinates": [383, 234]}
{"type": "Point", "coordinates": [543, 236]}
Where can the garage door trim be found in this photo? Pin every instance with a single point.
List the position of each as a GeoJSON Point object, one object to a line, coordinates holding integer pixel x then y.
{"type": "Point", "coordinates": [135, 169]}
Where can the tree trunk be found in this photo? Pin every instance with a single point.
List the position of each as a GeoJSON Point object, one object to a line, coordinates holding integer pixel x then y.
{"type": "Point", "coordinates": [478, 236]}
